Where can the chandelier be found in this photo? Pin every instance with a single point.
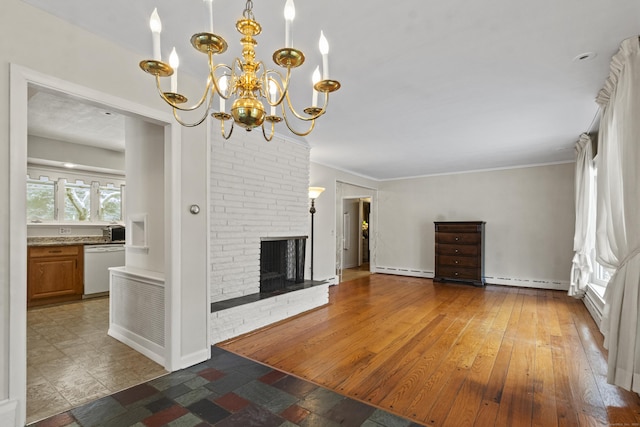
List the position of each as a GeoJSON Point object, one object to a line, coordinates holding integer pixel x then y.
{"type": "Point", "coordinates": [248, 83]}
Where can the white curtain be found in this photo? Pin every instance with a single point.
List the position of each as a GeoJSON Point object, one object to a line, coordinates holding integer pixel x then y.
{"type": "Point", "coordinates": [584, 235]}
{"type": "Point", "coordinates": [618, 213]}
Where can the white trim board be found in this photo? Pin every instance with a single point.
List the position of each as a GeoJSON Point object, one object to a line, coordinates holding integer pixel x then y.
{"type": "Point", "coordinates": [401, 271]}
{"type": "Point", "coordinates": [20, 78]}
{"type": "Point", "coordinates": [140, 344]}
{"type": "Point", "coordinates": [595, 305]}
{"type": "Point", "coordinates": [554, 285]}
{"type": "Point", "coordinates": [505, 281]}
{"type": "Point", "coordinates": [9, 412]}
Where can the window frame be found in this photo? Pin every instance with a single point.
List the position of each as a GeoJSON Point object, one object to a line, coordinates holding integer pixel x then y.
{"type": "Point", "coordinates": [95, 180]}
{"type": "Point", "coordinates": [598, 271]}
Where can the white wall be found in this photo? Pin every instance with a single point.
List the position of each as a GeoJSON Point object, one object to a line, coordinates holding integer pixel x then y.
{"type": "Point", "coordinates": [193, 247]}
{"type": "Point", "coordinates": [529, 214]}
{"type": "Point", "coordinates": [79, 57]}
{"type": "Point", "coordinates": [328, 217]}
{"type": "Point", "coordinates": [61, 151]}
{"type": "Point", "coordinates": [145, 192]}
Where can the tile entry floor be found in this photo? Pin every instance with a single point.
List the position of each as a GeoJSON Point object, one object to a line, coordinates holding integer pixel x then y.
{"type": "Point", "coordinates": [226, 390]}
{"type": "Point", "coordinates": [71, 360]}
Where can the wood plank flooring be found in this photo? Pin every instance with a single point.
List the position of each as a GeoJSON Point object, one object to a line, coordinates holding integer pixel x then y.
{"type": "Point", "coordinates": [452, 355]}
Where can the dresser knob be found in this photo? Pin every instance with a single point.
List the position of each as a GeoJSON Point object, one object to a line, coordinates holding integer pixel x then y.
{"type": "Point", "coordinates": [456, 261]}
{"type": "Point", "coordinates": [457, 238]}
{"type": "Point", "coordinates": [455, 274]}
{"type": "Point", "coordinates": [457, 251]}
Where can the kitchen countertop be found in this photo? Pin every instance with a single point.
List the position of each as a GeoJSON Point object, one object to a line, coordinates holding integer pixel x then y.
{"type": "Point", "coordinates": [69, 240]}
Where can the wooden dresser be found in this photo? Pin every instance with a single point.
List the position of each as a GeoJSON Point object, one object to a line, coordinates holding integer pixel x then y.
{"type": "Point", "coordinates": [460, 252]}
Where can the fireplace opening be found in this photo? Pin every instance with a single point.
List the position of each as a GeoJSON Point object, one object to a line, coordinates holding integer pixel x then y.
{"type": "Point", "coordinates": [281, 263]}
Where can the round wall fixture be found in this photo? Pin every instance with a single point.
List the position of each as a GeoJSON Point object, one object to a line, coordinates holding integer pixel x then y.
{"type": "Point", "coordinates": [587, 56]}
{"type": "Point", "coordinates": [194, 209]}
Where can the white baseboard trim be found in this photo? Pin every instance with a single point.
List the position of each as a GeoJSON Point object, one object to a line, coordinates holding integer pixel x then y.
{"type": "Point", "coordinates": [506, 281]}
{"type": "Point", "coordinates": [555, 285]}
{"type": "Point", "coordinates": [595, 305]}
{"type": "Point", "coordinates": [9, 413]}
{"type": "Point", "coordinates": [195, 358]}
{"type": "Point", "coordinates": [399, 271]}
{"type": "Point", "coordinates": [140, 344]}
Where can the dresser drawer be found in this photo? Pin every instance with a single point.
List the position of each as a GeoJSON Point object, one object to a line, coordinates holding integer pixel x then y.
{"type": "Point", "coordinates": [458, 261]}
{"type": "Point", "coordinates": [459, 228]}
{"type": "Point", "coordinates": [459, 273]}
{"type": "Point", "coordinates": [451, 249]}
{"type": "Point", "coordinates": [458, 238]}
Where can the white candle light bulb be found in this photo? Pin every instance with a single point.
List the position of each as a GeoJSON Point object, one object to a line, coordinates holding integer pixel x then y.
{"type": "Point", "coordinates": [174, 61]}
{"type": "Point", "coordinates": [222, 83]}
{"type": "Point", "coordinates": [323, 44]}
{"type": "Point", "coordinates": [272, 93]}
{"type": "Point", "coordinates": [210, 7]}
{"type": "Point", "coordinates": [289, 15]}
{"type": "Point", "coordinates": [156, 28]}
{"type": "Point", "coordinates": [315, 78]}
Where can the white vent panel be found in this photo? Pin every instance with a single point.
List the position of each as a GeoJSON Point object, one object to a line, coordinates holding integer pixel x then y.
{"type": "Point", "coordinates": [138, 307]}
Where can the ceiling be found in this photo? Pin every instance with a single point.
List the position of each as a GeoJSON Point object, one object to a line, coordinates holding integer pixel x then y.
{"type": "Point", "coordinates": [53, 116]}
{"type": "Point", "coordinates": [428, 87]}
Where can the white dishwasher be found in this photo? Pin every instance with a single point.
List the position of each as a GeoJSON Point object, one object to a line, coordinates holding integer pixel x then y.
{"type": "Point", "coordinates": [97, 260]}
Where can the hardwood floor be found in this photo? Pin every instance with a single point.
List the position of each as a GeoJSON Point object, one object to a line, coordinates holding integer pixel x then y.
{"type": "Point", "coordinates": [349, 274]}
{"type": "Point", "coordinates": [452, 355]}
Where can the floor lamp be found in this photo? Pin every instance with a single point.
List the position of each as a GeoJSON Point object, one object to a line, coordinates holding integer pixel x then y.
{"type": "Point", "coordinates": [314, 192]}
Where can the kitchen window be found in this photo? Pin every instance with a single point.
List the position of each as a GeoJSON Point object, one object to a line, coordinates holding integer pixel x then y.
{"type": "Point", "coordinates": [110, 203]}
{"type": "Point", "coordinates": [41, 199]}
{"type": "Point", "coordinates": [77, 201]}
{"type": "Point", "coordinates": [54, 198]}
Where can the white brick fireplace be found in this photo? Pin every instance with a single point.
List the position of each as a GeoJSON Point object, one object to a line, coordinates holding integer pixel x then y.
{"type": "Point", "coordinates": [258, 190]}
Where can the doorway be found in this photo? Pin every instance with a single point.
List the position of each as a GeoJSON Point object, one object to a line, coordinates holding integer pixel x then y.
{"type": "Point", "coordinates": [78, 150]}
{"type": "Point", "coordinates": [21, 79]}
{"type": "Point", "coordinates": [355, 230]}
{"type": "Point", "coordinates": [355, 241]}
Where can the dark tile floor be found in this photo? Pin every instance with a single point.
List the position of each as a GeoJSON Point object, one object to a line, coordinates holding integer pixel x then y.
{"type": "Point", "coordinates": [227, 390]}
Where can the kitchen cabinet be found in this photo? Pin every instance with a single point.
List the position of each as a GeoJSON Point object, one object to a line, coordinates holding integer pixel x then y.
{"type": "Point", "coordinates": [460, 252]}
{"type": "Point", "coordinates": [54, 274]}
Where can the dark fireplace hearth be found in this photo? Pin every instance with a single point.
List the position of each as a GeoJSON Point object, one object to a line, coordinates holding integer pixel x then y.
{"type": "Point", "coordinates": [281, 263]}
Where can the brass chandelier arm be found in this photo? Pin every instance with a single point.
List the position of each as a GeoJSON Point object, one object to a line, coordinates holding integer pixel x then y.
{"type": "Point", "coordinates": [222, 129]}
{"type": "Point", "coordinates": [273, 130]}
{"type": "Point", "coordinates": [282, 85]}
{"type": "Point", "coordinates": [320, 111]}
{"type": "Point", "coordinates": [204, 116]}
{"type": "Point", "coordinates": [176, 105]}
{"type": "Point", "coordinates": [185, 124]}
{"type": "Point", "coordinates": [212, 77]}
{"type": "Point", "coordinates": [223, 117]}
{"type": "Point", "coordinates": [216, 87]}
{"type": "Point", "coordinates": [307, 132]}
